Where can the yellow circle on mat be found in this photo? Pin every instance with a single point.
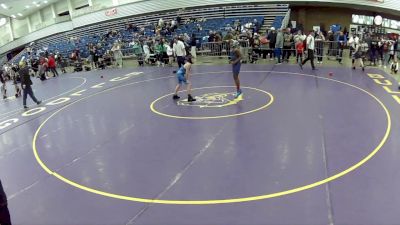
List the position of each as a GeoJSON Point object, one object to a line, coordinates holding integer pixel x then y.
{"type": "Point", "coordinates": [153, 108]}
{"type": "Point", "coordinates": [219, 201]}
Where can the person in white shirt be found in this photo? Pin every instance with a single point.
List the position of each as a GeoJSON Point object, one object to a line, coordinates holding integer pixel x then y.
{"type": "Point", "coordinates": [132, 43]}
{"type": "Point", "coordinates": [170, 53]}
{"type": "Point", "coordinates": [310, 50]}
{"type": "Point", "coordinates": [161, 22]}
{"type": "Point", "coordinates": [179, 51]}
{"type": "Point", "coordinates": [173, 23]}
{"type": "Point", "coordinates": [357, 56]}
{"type": "Point", "coordinates": [352, 43]}
{"type": "Point", "coordinates": [116, 49]}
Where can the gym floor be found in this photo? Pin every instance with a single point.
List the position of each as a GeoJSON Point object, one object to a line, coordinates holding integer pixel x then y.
{"type": "Point", "coordinates": [112, 147]}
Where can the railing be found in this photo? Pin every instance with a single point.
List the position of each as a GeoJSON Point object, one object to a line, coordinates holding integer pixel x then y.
{"type": "Point", "coordinates": [324, 50]}
{"type": "Point", "coordinates": [17, 55]}
{"type": "Point", "coordinates": [286, 20]}
{"type": "Point", "coordinates": [219, 48]}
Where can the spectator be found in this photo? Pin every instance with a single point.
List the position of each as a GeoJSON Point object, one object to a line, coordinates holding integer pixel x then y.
{"type": "Point", "coordinates": [116, 49]}
{"type": "Point", "coordinates": [342, 41]}
{"type": "Point", "coordinates": [60, 62]}
{"type": "Point", "coordinates": [43, 66]}
{"type": "Point", "coordinates": [255, 44]}
{"type": "Point", "coordinates": [211, 37]}
{"type": "Point", "coordinates": [161, 22]}
{"type": "Point", "coordinates": [193, 44]}
{"type": "Point", "coordinates": [52, 65]}
{"type": "Point", "coordinates": [287, 45]}
{"type": "Point", "coordinates": [299, 50]}
{"type": "Point", "coordinates": [279, 45]}
{"type": "Point", "coordinates": [256, 26]}
{"type": "Point", "coordinates": [173, 24]}
{"type": "Point", "coordinates": [161, 52]}
{"type": "Point", "coordinates": [272, 41]}
{"type": "Point", "coordinates": [178, 20]}
{"type": "Point", "coordinates": [319, 45]}
{"type": "Point", "coordinates": [331, 39]}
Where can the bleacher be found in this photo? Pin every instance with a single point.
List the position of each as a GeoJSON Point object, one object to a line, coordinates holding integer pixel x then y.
{"type": "Point", "coordinates": [216, 19]}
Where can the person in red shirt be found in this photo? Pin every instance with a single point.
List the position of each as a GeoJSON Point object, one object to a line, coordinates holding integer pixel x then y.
{"type": "Point", "coordinates": [299, 51]}
{"type": "Point", "coordinates": [52, 65]}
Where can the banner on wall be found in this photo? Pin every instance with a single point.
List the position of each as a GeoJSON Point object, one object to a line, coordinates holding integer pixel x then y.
{"type": "Point", "coordinates": [111, 12]}
{"type": "Point", "coordinates": [294, 24]}
{"type": "Point", "coordinates": [316, 29]}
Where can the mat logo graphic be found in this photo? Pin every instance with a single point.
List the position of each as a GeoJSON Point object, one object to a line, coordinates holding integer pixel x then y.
{"type": "Point", "coordinates": [213, 100]}
{"type": "Point", "coordinates": [386, 84]}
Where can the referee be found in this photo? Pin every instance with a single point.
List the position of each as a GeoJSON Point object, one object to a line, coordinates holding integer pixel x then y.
{"type": "Point", "coordinates": [310, 50]}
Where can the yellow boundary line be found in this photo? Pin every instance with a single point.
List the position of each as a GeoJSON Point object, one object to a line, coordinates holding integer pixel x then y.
{"type": "Point", "coordinates": [219, 201]}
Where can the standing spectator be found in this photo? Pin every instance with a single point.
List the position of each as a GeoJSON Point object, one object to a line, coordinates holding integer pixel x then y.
{"type": "Point", "coordinates": [255, 44]}
{"type": "Point", "coordinates": [228, 40]}
{"type": "Point", "coordinates": [299, 37]}
{"type": "Point", "coordinates": [3, 84]}
{"type": "Point", "coordinates": [331, 39]}
{"type": "Point", "coordinates": [173, 24]}
{"type": "Point", "coordinates": [392, 52]}
{"type": "Point", "coordinates": [193, 44]}
{"type": "Point", "coordinates": [60, 62]}
{"type": "Point", "coordinates": [342, 41]}
{"type": "Point", "coordinates": [310, 50]}
{"type": "Point", "coordinates": [357, 55]}
{"type": "Point", "coordinates": [256, 26]}
{"type": "Point", "coordinates": [279, 45]}
{"type": "Point", "coordinates": [52, 65]}
{"type": "Point", "coordinates": [26, 84]}
{"type": "Point", "coordinates": [4, 213]}
{"type": "Point", "coordinates": [92, 55]}
{"type": "Point", "coordinates": [385, 50]}
{"type": "Point", "coordinates": [373, 48]}
{"type": "Point", "coordinates": [161, 52]}
{"type": "Point", "coordinates": [178, 20]}
{"type": "Point", "coordinates": [43, 65]}
{"type": "Point", "coordinates": [319, 45]}
{"type": "Point", "coordinates": [380, 51]}
{"type": "Point", "coordinates": [211, 37]}
{"type": "Point", "coordinates": [179, 51]}
{"type": "Point", "coordinates": [161, 22]}
{"type": "Point", "coordinates": [116, 49]}
{"type": "Point", "coordinates": [299, 50]}
{"type": "Point", "coordinates": [287, 45]}
{"type": "Point", "coordinates": [272, 41]}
